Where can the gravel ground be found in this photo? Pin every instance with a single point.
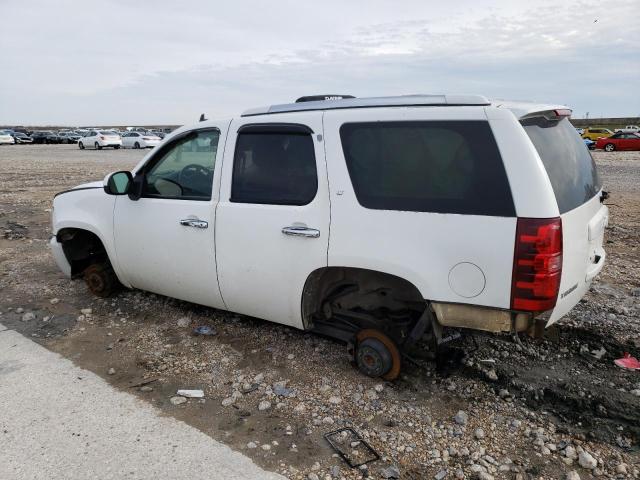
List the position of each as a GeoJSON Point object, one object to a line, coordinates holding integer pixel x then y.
{"type": "Point", "coordinates": [502, 409]}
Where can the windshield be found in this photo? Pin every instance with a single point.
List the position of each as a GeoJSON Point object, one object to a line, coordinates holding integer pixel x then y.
{"type": "Point", "coordinates": [569, 164]}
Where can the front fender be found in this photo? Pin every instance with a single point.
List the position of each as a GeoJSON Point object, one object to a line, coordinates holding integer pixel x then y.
{"type": "Point", "coordinates": [89, 209]}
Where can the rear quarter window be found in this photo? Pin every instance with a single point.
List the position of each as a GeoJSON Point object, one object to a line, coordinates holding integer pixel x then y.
{"type": "Point", "coordinates": [427, 166]}
{"type": "Point", "coordinates": [569, 165]}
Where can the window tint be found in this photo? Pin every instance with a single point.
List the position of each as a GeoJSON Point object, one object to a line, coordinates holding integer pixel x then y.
{"type": "Point", "coordinates": [569, 164]}
{"type": "Point", "coordinates": [184, 168]}
{"type": "Point", "coordinates": [274, 168]}
{"type": "Point", "coordinates": [443, 167]}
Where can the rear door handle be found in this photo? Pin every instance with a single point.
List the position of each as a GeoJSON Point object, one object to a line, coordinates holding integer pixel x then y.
{"type": "Point", "coordinates": [194, 222]}
{"type": "Point", "coordinates": [301, 232]}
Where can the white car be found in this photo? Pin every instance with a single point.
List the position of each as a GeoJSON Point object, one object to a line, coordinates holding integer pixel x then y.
{"type": "Point", "coordinates": [140, 140]}
{"type": "Point", "coordinates": [378, 221]}
{"type": "Point", "coordinates": [6, 138]}
{"type": "Point", "coordinates": [100, 139]}
{"type": "Point", "coordinates": [629, 129]}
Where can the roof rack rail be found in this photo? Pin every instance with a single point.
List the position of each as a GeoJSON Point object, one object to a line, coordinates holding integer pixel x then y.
{"type": "Point", "coordinates": [399, 101]}
{"type": "Point", "coordinates": [314, 98]}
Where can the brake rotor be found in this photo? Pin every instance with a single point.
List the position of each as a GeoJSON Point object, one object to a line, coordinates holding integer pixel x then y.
{"type": "Point", "coordinates": [393, 356]}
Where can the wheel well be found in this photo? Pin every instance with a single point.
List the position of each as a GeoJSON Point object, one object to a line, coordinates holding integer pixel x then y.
{"type": "Point", "coordinates": [82, 248]}
{"type": "Point", "coordinates": [351, 299]}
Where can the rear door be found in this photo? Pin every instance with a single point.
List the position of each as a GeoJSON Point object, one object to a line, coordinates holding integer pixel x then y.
{"type": "Point", "coordinates": [272, 221]}
{"type": "Point", "coordinates": [577, 188]}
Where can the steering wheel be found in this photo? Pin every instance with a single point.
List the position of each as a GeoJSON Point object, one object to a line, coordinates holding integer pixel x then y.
{"type": "Point", "coordinates": [192, 171]}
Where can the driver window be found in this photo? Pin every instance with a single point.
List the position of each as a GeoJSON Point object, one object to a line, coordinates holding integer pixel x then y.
{"type": "Point", "coordinates": [185, 170]}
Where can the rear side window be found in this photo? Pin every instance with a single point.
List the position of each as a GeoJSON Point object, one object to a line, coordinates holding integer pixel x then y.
{"type": "Point", "coordinates": [569, 164]}
{"type": "Point", "coordinates": [442, 167]}
{"type": "Point", "coordinates": [274, 167]}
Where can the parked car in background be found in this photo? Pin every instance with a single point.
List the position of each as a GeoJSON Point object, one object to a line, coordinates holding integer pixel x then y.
{"type": "Point", "coordinates": [40, 136]}
{"type": "Point", "coordinates": [580, 130]}
{"type": "Point", "coordinates": [53, 137]}
{"type": "Point", "coordinates": [6, 138]}
{"type": "Point", "coordinates": [591, 145]}
{"type": "Point", "coordinates": [629, 129]}
{"type": "Point", "coordinates": [157, 133]}
{"type": "Point", "coordinates": [140, 140]}
{"type": "Point", "coordinates": [20, 137]}
{"type": "Point", "coordinates": [100, 139]}
{"type": "Point", "coordinates": [596, 133]}
{"type": "Point", "coordinates": [68, 137]}
{"type": "Point", "coordinates": [619, 141]}
{"type": "Point", "coordinates": [443, 211]}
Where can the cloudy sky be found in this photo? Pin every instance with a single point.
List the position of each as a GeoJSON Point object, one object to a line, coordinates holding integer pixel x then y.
{"type": "Point", "coordinates": [162, 61]}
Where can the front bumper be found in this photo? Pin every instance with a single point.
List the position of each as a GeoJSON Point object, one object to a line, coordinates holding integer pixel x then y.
{"type": "Point", "coordinates": [59, 256]}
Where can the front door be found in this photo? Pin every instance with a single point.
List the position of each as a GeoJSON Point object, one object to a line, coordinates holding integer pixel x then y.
{"type": "Point", "coordinates": [165, 240]}
{"type": "Point", "coordinates": [272, 221]}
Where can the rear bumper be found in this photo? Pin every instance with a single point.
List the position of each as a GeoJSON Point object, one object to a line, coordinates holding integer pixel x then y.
{"type": "Point", "coordinates": [475, 317]}
{"type": "Point", "coordinates": [59, 256]}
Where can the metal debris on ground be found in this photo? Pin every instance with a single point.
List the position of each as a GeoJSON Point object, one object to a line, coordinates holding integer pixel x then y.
{"type": "Point", "coordinates": [190, 393]}
{"type": "Point", "coordinates": [204, 331]}
{"type": "Point", "coordinates": [142, 383]}
{"type": "Point", "coordinates": [351, 447]}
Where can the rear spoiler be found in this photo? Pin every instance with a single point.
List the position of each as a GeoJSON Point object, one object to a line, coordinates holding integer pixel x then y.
{"type": "Point", "coordinates": [524, 110]}
{"type": "Point", "coordinates": [555, 114]}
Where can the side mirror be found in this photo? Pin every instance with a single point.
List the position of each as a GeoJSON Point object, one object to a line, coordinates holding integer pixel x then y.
{"type": "Point", "coordinates": [118, 183]}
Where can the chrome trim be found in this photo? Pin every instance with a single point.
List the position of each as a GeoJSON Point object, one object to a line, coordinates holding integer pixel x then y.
{"type": "Point", "coordinates": [295, 231]}
{"type": "Point", "coordinates": [194, 222]}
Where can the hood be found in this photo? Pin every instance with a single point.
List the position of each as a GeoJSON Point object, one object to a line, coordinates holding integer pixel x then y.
{"type": "Point", "coordinates": [97, 184]}
{"type": "Point", "coordinates": [84, 186]}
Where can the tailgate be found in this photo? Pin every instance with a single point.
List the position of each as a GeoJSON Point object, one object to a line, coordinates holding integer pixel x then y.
{"type": "Point", "coordinates": [582, 254]}
{"type": "Point", "coordinates": [577, 188]}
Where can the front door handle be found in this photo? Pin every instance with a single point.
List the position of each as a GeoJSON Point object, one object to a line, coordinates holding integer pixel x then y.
{"type": "Point", "coordinates": [301, 232]}
{"type": "Point", "coordinates": [194, 222]}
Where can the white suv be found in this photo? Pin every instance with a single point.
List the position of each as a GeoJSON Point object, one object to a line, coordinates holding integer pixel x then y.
{"type": "Point", "coordinates": [378, 221]}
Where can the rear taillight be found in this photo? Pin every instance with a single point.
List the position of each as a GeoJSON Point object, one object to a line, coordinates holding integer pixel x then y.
{"type": "Point", "coordinates": [537, 264]}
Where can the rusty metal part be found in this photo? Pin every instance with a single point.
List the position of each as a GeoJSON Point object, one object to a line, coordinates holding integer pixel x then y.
{"type": "Point", "coordinates": [396, 359]}
{"type": "Point", "coordinates": [100, 279]}
{"type": "Point", "coordinates": [480, 318]}
{"type": "Point", "coordinates": [342, 450]}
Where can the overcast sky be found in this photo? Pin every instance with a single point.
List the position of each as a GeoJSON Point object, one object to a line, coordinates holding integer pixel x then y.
{"type": "Point", "coordinates": [143, 62]}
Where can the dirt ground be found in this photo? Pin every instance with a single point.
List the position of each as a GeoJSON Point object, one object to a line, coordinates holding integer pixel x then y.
{"type": "Point", "coordinates": [503, 408]}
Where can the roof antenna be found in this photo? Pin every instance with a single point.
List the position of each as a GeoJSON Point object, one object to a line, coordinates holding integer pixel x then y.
{"type": "Point", "coordinates": [202, 118]}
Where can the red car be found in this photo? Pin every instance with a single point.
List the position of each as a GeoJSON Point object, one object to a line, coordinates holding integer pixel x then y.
{"type": "Point", "coordinates": [619, 141]}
